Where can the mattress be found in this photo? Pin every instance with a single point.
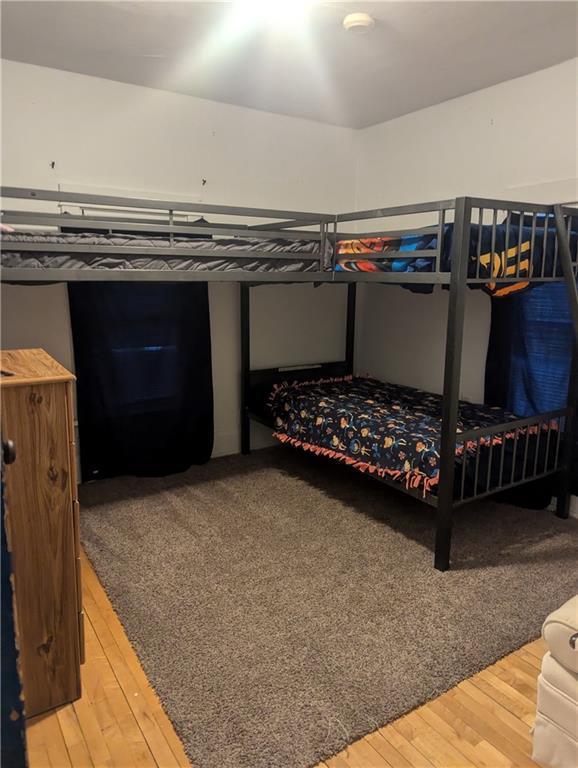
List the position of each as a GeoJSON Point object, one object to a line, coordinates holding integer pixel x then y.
{"type": "Point", "coordinates": [132, 252]}
{"type": "Point", "coordinates": [514, 250]}
{"type": "Point", "coordinates": [388, 430]}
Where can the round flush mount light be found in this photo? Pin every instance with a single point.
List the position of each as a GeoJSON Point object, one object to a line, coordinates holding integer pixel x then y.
{"type": "Point", "coordinates": [359, 23]}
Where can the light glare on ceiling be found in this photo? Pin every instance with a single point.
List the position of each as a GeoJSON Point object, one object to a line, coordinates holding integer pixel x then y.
{"type": "Point", "coordinates": [272, 12]}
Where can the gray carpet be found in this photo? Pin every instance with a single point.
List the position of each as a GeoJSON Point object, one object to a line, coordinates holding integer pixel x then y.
{"type": "Point", "coordinates": [282, 606]}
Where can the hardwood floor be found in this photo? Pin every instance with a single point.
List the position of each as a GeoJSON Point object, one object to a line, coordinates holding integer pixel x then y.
{"type": "Point", "coordinates": [484, 721]}
{"type": "Point", "coordinates": [119, 721]}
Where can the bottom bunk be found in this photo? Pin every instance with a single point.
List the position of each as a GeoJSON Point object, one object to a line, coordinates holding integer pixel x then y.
{"type": "Point", "coordinates": [393, 433]}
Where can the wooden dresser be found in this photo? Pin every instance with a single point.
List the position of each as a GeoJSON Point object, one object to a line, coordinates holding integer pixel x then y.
{"type": "Point", "coordinates": [42, 522]}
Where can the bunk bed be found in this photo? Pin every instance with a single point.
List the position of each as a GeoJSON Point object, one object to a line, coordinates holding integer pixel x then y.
{"type": "Point", "coordinates": [445, 452]}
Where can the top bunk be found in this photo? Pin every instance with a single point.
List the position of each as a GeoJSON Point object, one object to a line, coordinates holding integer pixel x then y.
{"type": "Point", "coordinates": [56, 236]}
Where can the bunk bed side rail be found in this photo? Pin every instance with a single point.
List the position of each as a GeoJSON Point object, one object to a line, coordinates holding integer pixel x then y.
{"type": "Point", "coordinates": [520, 243]}
{"type": "Point", "coordinates": [80, 199]}
{"type": "Point", "coordinates": [163, 226]}
{"type": "Point", "coordinates": [492, 459]}
{"type": "Point", "coordinates": [509, 242]}
{"type": "Point", "coordinates": [443, 209]}
{"type": "Point", "coordinates": [108, 215]}
{"type": "Point", "coordinates": [397, 210]}
{"type": "Point", "coordinates": [42, 275]}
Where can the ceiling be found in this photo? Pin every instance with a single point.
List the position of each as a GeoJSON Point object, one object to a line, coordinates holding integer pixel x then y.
{"type": "Point", "coordinates": [418, 54]}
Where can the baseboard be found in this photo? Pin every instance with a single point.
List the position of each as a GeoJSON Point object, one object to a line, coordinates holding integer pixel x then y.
{"type": "Point", "coordinates": [226, 444]}
{"type": "Point", "coordinates": [229, 443]}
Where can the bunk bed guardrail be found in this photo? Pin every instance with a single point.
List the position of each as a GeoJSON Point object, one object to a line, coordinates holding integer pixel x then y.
{"type": "Point", "coordinates": [500, 251]}
{"type": "Point", "coordinates": [493, 459]}
{"type": "Point", "coordinates": [109, 215]}
{"type": "Point", "coordinates": [509, 241]}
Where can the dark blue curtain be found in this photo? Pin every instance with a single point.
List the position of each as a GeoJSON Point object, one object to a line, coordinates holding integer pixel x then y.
{"type": "Point", "coordinates": [144, 383]}
{"type": "Point", "coordinates": [13, 748]}
{"type": "Point", "coordinates": [528, 364]}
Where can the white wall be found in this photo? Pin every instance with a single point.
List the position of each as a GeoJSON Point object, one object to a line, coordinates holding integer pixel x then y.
{"type": "Point", "coordinates": [516, 141]}
{"type": "Point", "coordinates": [37, 317]}
{"type": "Point", "coordinates": [291, 325]}
{"type": "Point", "coordinates": [107, 136]}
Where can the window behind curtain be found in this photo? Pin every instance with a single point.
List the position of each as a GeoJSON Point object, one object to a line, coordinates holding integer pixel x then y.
{"type": "Point", "coordinates": [144, 380]}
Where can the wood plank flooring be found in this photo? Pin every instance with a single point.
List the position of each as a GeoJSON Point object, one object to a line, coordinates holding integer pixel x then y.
{"type": "Point", "coordinates": [119, 722]}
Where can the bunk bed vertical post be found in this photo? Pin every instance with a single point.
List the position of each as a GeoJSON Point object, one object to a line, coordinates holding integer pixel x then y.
{"type": "Point", "coordinates": [334, 244]}
{"type": "Point", "coordinates": [563, 485]}
{"type": "Point", "coordinates": [322, 244]}
{"type": "Point", "coordinates": [563, 490]}
{"type": "Point", "coordinates": [565, 259]}
{"type": "Point", "coordinates": [245, 366]}
{"type": "Point", "coordinates": [350, 329]}
{"type": "Point", "coordinates": [452, 370]}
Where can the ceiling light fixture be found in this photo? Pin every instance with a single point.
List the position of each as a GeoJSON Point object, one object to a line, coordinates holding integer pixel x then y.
{"type": "Point", "coordinates": [360, 23]}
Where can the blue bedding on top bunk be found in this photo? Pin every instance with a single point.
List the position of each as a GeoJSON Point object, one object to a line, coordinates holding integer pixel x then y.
{"type": "Point", "coordinates": [500, 252]}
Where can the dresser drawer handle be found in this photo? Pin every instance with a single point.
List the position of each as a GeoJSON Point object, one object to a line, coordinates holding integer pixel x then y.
{"type": "Point", "coordinates": [8, 452]}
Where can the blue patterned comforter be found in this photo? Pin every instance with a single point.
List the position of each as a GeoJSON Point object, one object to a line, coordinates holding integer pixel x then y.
{"type": "Point", "coordinates": [386, 429]}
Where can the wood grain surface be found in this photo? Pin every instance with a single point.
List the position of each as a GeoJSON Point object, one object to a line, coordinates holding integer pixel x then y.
{"type": "Point", "coordinates": [42, 538]}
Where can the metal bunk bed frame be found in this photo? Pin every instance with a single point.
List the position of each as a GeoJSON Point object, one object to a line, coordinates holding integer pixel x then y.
{"type": "Point", "coordinates": [555, 427]}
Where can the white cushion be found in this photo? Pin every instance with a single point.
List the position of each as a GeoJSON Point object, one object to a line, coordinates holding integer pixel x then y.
{"type": "Point", "coordinates": [557, 632]}
{"type": "Point", "coordinates": [560, 678]}
{"type": "Point", "coordinates": [553, 747]}
{"type": "Point", "coordinates": [558, 708]}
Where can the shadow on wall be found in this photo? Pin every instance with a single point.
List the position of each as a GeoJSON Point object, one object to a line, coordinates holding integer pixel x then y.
{"type": "Point", "coordinates": [37, 316]}
{"type": "Point", "coordinates": [402, 338]}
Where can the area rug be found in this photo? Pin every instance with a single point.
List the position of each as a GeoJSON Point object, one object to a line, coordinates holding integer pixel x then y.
{"type": "Point", "coordinates": [283, 607]}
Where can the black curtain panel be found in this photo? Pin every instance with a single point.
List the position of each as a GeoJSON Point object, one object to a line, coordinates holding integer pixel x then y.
{"type": "Point", "coordinates": [12, 744]}
{"type": "Point", "coordinates": [528, 367]}
{"type": "Point", "coordinates": [144, 382]}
